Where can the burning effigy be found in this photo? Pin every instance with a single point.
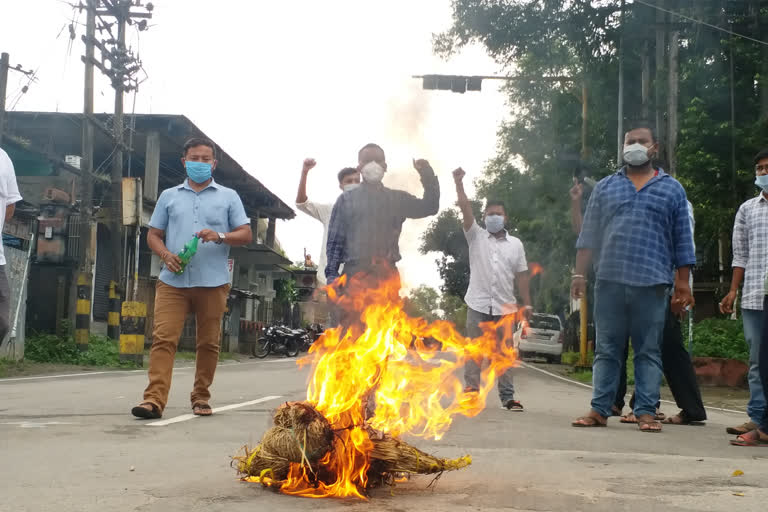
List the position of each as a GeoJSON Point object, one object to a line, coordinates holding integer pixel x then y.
{"type": "Point", "coordinates": [373, 381]}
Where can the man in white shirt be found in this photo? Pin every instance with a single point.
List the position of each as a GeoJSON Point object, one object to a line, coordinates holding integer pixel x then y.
{"type": "Point", "coordinates": [9, 196]}
{"type": "Point", "coordinates": [349, 178]}
{"type": "Point", "coordinates": [496, 262]}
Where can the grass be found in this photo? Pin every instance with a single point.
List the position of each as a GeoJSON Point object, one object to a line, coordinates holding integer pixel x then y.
{"type": "Point", "coordinates": [8, 367]}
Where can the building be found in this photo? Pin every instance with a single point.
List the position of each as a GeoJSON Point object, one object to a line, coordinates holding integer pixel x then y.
{"type": "Point", "coordinates": [45, 148]}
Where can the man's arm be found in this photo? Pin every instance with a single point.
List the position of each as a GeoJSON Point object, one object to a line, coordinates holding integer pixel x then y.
{"type": "Point", "coordinates": [415, 208]}
{"type": "Point", "coordinates": [337, 239]}
{"type": "Point", "coordinates": [238, 237]}
{"type": "Point", "coordinates": [579, 278]}
{"type": "Point", "coordinates": [301, 195]}
{"type": "Point", "coordinates": [463, 200]}
{"type": "Point", "coordinates": [685, 254]}
{"type": "Point", "coordinates": [155, 240]}
{"type": "Point", "coordinates": [740, 244]}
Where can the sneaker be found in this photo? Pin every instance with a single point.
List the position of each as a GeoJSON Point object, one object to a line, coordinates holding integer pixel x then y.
{"type": "Point", "coordinates": [513, 405]}
{"type": "Point", "coordinates": [742, 429]}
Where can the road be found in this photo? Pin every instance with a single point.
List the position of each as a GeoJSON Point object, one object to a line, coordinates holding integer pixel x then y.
{"type": "Point", "coordinates": [69, 444]}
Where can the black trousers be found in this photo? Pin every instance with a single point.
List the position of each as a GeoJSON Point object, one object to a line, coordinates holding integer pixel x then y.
{"type": "Point", "coordinates": [678, 369]}
{"type": "Point", "coordinates": [763, 363]}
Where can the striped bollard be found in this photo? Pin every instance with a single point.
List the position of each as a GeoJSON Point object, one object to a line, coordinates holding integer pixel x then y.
{"type": "Point", "coordinates": [113, 319]}
{"type": "Point", "coordinates": [83, 313]}
{"type": "Point", "coordinates": [132, 327]}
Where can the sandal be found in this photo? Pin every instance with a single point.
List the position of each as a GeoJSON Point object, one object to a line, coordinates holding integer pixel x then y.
{"type": "Point", "coordinates": [751, 439]}
{"type": "Point", "coordinates": [615, 411]}
{"type": "Point", "coordinates": [590, 421]}
{"type": "Point", "coordinates": [147, 413]}
{"type": "Point", "coordinates": [631, 418]}
{"type": "Point", "coordinates": [648, 423]}
{"type": "Point", "coordinates": [201, 409]}
{"type": "Point", "coordinates": [681, 418]}
{"type": "Point", "coordinates": [742, 429]}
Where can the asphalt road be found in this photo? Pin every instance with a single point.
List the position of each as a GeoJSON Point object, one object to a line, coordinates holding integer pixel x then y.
{"type": "Point", "coordinates": [69, 444]}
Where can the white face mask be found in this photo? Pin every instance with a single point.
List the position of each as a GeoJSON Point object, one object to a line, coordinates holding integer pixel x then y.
{"type": "Point", "coordinates": [350, 186]}
{"type": "Point", "coordinates": [636, 155]}
{"type": "Point", "coordinates": [372, 172]}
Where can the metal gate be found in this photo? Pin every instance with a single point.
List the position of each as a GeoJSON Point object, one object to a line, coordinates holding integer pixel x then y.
{"type": "Point", "coordinates": [103, 276]}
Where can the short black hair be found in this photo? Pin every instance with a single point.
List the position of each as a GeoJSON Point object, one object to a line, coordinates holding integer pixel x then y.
{"type": "Point", "coordinates": [496, 202]}
{"type": "Point", "coordinates": [347, 171]}
{"type": "Point", "coordinates": [642, 125]}
{"type": "Point", "coordinates": [762, 155]}
{"type": "Point", "coordinates": [199, 141]}
{"type": "Point", "coordinates": [370, 145]}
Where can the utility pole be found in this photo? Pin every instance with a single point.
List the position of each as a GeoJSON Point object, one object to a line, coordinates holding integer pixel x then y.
{"type": "Point", "coordinates": [84, 280]}
{"type": "Point", "coordinates": [620, 115]}
{"type": "Point", "coordinates": [116, 208]}
{"type": "Point", "coordinates": [5, 66]}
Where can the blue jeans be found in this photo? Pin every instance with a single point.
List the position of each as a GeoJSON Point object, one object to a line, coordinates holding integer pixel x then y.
{"type": "Point", "coordinates": [472, 368]}
{"type": "Point", "coordinates": [623, 312]}
{"type": "Point", "coordinates": [753, 328]}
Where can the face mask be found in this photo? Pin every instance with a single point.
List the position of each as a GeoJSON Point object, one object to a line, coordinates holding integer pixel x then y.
{"type": "Point", "coordinates": [762, 182]}
{"type": "Point", "coordinates": [494, 223]}
{"type": "Point", "coordinates": [636, 155]}
{"type": "Point", "coordinates": [199, 172]}
{"type": "Point", "coordinates": [372, 172]}
{"type": "Point", "coordinates": [350, 186]}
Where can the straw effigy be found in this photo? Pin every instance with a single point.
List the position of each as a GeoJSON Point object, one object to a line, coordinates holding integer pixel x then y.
{"type": "Point", "coordinates": [302, 435]}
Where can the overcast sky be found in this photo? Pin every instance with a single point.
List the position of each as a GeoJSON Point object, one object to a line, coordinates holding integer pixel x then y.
{"type": "Point", "coordinates": [274, 82]}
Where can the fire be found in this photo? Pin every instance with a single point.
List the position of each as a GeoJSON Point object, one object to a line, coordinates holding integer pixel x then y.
{"type": "Point", "coordinates": [416, 386]}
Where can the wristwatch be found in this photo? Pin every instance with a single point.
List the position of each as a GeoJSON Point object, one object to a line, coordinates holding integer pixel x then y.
{"type": "Point", "coordinates": [222, 237]}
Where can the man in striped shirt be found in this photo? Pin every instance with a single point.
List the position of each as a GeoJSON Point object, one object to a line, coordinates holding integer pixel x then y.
{"type": "Point", "coordinates": [750, 262]}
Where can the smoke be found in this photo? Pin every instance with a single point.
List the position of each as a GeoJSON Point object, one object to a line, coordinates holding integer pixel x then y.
{"type": "Point", "coordinates": [407, 126]}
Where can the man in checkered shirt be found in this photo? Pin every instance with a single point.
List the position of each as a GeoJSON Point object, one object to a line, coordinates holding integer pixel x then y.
{"type": "Point", "coordinates": [750, 262]}
{"type": "Point", "coordinates": [637, 228]}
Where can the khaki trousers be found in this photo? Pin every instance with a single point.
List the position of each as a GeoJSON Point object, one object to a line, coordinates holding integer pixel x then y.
{"type": "Point", "coordinates": [172, 305]}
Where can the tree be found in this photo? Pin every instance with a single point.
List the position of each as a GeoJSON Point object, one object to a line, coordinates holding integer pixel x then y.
{"type": "Point", "coordinates": [423, 302]}
{"type": "Point", "coordinates": [540, 143]}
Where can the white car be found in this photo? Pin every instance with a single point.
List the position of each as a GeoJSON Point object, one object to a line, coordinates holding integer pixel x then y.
{"type": "Point", "coordinates": [543, 336]}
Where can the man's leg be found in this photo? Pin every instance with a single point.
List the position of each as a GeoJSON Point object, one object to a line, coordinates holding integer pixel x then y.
{"type": "Point", "coordinates": [472, 367]}
{"type": "Point", "coordinates": [505, 381]}
{"type": "Point", "coordinates": [171, 307]}
{"type": "Point", "coordinates": [612, 321]}
{"type": "Point", "coordinates": [678, 368]}
{"type": "Point", "coordinates": [763, 364]}
{"type": "Point", "coordinates": [5, 305]}
{"type": "Point", "coordinates": [753, 328]}
{"type": "Point", "coordinates": [621, 391]}
{"type": "Point", "coordinates": [648, 309]}
{"type": "Point", "coordinates": [209, 305]}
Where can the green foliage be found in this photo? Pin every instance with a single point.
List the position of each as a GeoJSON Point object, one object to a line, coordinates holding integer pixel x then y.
{"type": "Point", "coordinates": [8, 366]}
{"type": "Point", "coordinates": [49, 348]}
{"type": "Point", "coordinates": [425, 302]}
{"type": "Point", "coordinates": [286, 292]}
{"type": "Point", "coordinates": [718, 337]}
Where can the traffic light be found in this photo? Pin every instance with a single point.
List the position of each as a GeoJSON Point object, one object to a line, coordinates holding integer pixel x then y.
{"type": "Point", "coordinates": [453, 83]}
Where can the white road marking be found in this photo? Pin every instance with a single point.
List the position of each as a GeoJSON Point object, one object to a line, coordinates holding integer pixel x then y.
{"type": "Point", "coordinates": [560, 377]}
{"type": "Point", "coordinates": [34, 424]}
{"type": "Point", "coordinates": [123, 372]}
{"type": "Point", "coordinates": [187, 417]}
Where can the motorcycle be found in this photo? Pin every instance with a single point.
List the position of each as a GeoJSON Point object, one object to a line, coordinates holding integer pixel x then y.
{"type": "Point", "coordinates": [277, 339]}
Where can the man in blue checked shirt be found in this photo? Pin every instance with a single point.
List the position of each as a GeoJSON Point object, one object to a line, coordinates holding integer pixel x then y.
{"type": "Point", "coordinates": [636, 229]}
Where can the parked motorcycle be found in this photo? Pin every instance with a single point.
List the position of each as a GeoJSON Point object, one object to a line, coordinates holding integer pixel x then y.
{"type": "Point", "coordinates": [277, 339]}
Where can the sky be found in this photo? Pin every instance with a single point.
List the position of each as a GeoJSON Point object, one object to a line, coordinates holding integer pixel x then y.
{"type": "Point", "coordinates": [275, 82]}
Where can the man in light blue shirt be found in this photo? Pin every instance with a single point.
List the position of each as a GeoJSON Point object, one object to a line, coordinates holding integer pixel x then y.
{"type": "Point", "coordinates": [201, 208]}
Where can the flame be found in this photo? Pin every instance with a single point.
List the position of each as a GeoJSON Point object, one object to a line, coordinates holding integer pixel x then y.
{"type": "Point", "coordinates": [416, 388]}
{"type": "Point", "coordinates": [535, 269]}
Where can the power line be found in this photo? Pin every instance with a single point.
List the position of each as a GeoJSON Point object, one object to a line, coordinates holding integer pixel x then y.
{"type": "Point", "coordinates": [701, 22]}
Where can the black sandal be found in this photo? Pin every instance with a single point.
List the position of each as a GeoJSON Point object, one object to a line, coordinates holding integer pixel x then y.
{"type": "Point", "coordinates": [153, 413]}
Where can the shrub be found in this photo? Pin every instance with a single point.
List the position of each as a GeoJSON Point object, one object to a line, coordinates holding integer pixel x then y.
{"type": "Point", "coordinates": [718, 337]}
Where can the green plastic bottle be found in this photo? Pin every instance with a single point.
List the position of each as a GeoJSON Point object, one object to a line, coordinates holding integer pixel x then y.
{"type": "Point", "coordinates": [190, 248]}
